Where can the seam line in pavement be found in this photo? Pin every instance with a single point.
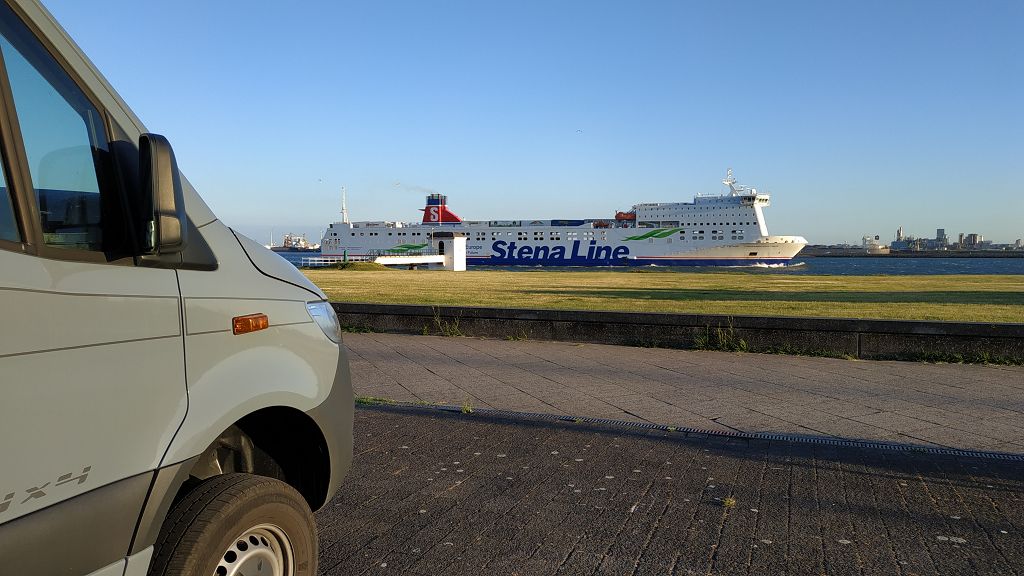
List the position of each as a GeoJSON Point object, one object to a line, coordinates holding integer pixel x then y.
{"type": "Point", "coordinates": [795, 438]}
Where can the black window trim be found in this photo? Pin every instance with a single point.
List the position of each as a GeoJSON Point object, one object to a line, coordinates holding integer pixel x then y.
{"type": "Point", "coordinates": [20, 182]}
{"type": "Point", "coordinates": [11, 245]}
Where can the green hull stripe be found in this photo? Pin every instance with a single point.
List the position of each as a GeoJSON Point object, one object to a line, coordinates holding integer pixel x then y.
{"type": "Point", "coordinates": [656, 233]}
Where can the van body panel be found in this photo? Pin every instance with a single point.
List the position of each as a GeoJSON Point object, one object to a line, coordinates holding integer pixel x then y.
{"type": "Point", "coordinates": [235, 277]}
{"type": "Point", "coordinates": [272, 264]}
{"type": "Point", "coordinates": [214, 314]}
{"type": "Point", "coordinates": [65, 312]}
{"type": "Point", "coordinates": [167, 482]}
{"type": "Point", "coordinates": [284, 366]}
{"type": "Point", "coordinates": [138, 563]}
{"type": "Point", "coordinates": [291, 363]}
{"type": "Point", "coordinates": [93, 376]}
{"type": "Point", "coordinates": [115, 569]}
{"type": "Point", "coordinates": [118, 374]}
{"type": "Point", "coordinates": [80, 535]}
{"type": "Point", "coordinates": [335, 416]}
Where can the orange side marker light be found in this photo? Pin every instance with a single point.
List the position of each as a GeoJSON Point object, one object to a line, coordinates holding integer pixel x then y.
{"type": "Point", "coordinates": [250, 323]}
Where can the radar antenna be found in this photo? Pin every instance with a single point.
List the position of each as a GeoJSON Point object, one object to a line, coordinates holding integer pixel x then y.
{"type": "Point", "coordinates": [344, 207]}
{"type": "Point", "coordinates": [730, 181]}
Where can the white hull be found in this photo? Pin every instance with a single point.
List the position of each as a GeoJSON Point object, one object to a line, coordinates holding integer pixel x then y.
{"type": "Point", "coordinates": [726, 230]}
{"type": "Point", "coordinates": [607, 249]}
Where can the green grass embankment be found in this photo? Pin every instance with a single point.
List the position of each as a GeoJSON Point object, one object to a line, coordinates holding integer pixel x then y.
{"type": "Point", "coordinates": [953, 297]}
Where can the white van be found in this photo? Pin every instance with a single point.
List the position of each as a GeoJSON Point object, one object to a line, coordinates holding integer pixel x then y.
{"type": "Point", "coordinates": [174, 398]}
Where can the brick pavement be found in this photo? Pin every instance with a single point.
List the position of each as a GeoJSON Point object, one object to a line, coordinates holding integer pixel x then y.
{"type": "Point", "coordinates": [433, 493]}
{"type": "Point", "coordinates": [959, 406]}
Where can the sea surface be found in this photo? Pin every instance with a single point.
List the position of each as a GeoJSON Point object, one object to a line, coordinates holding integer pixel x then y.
{"type": "Point", "coordinates": [816, 265]}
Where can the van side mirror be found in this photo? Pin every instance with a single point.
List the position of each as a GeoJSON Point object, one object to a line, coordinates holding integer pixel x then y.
{"type": "Point", "coordinates": [166, 232]}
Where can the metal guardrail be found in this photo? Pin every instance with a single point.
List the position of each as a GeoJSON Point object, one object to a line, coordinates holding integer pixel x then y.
{"type": "Point", "coordinates": [324, 261]}
{"type": "Point", "coordinates": [390, 252]}
{"type": "Point", "coordinates": [371, 256]}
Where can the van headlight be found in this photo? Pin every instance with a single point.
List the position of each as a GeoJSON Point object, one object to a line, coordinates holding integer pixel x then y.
{"type": "Point", "coordinates": [324, 316]}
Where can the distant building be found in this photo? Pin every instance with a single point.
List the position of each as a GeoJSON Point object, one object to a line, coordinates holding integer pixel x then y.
{"type": "Point", "coordinates": [1019, 243]}
{"type": "Point", "coordinates": [909, 243]}
{"type": "Point", "coordinates": [872, 245]}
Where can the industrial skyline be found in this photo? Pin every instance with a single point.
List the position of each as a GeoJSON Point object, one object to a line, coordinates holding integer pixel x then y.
{"type": "Point", "coordinates": [901, 241]}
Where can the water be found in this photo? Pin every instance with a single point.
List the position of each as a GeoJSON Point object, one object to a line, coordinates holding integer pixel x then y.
{"type": "Point", "coordinates": [904, 266]}
{"type": "Point", "coordinates": [296, 257]}
{"type": "Point", "coordinates": [832, 266]}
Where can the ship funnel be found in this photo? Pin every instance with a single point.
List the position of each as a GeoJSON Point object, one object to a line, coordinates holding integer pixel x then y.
{"type": "Point", "coordinates": [437, 211]}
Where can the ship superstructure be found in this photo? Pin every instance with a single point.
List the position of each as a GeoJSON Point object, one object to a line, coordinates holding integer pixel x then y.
{"type": "Point", "coordinates": [712, 230]}
{"type": "Point", "coordinates": [294, 243]}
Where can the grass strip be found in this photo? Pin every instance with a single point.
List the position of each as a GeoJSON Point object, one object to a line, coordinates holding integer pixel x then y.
{"type": "Point", "coordinates": [962, 298]}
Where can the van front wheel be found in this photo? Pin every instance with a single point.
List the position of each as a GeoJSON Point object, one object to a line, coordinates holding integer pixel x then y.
{"type": "Point", "coordinates": [238, 524]}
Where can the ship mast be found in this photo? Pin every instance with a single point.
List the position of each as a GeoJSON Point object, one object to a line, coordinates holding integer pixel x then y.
{"type": "Point", "coordinates": [344, 207]}
{"type": "Point", "coordinates": [730, 181]}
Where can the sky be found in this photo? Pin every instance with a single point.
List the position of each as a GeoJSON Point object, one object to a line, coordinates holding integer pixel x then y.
{"type": "Point", "coordinates": [858, 117]}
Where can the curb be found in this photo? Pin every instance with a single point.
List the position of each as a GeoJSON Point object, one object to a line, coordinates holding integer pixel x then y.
{"type": "Point", "coordinates": [974, 342]}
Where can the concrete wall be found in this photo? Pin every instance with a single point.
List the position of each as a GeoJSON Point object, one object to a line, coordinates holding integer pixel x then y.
{"type": "Point", "coordinates": [869, 339]}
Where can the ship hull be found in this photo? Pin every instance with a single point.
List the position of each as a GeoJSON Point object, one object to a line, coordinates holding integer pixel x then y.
{"type": "Point", "coordinates": [608, 251]}
{"type": "Point", "coordinates": [753, 254]}
{"type": "Point", "coordinates": [725, 230]}
{"type": "Point", "coordinates": [660, 261]}
{"type": "Point", "coordinates": [291, 249]}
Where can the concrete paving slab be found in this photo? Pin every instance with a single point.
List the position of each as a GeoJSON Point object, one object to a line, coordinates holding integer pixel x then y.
{"type": "Point", "coordinates": [436, 493]}
{"type": "Point", "coordinates": [982, 406]}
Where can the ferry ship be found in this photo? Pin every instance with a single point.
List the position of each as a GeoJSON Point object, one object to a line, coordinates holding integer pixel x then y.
{"type": "Point", "coordinates": [294, 243]}
{"type": "Point", "coordinates": [714, 230]}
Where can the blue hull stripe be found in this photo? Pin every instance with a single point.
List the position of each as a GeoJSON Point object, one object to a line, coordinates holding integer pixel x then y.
{"type": "Point", "coordinates": [582, 261]}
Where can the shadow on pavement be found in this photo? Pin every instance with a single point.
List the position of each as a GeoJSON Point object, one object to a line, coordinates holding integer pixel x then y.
{"type": "Point", "coordinates": [433, 492]}
{"type": "Point", "coordinates": [979, 467]}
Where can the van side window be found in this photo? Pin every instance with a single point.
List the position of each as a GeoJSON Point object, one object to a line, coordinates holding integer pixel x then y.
{"type": "Point", "coordinates": [8, 225]}
{"type": "Point", "coordinates": [65, 143]}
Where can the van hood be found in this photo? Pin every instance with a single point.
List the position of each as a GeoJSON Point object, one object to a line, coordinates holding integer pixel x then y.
{"type": "Point", "coordinates": [275, 266]}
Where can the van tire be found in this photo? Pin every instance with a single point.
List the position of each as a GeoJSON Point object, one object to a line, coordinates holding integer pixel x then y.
{"type": "Point", "coordinates": [204, 528]}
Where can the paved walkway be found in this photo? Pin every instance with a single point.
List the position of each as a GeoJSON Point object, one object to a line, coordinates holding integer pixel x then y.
{"type": "Point", "coordinates": [959, 406]}
{"type": "Point", "coordinates": [467, 495]}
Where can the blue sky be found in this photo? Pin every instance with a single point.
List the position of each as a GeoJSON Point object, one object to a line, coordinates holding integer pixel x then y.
{"type": "Point", "coordinates": [858, 117]}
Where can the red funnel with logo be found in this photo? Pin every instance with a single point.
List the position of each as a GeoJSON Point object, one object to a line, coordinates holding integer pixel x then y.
{"type": "Point", "coordinates": [437, 211]}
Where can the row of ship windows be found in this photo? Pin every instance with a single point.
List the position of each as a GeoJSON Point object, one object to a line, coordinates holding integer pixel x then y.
{"type": "Point", "coordinates": [713, 232]}
{"type": "Point", "coordinates": [569, 235]}
{"type": "Point", "coordinates": [671, 224]}
{"type": "Point", "coordinates": [521, 235]}
{"type": "Point", "coordinates": [664, 224]}
{"type": "Point", "coordinates": [389, 234]}
{"type": "Point", "coordinates": [683, 238]}
{"type": "Point", "coordinates": [550, 235]}
{"type": "Point", "coordinates": [649, 240]}
{"type": "Point", "coordinates": [684, 207]}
